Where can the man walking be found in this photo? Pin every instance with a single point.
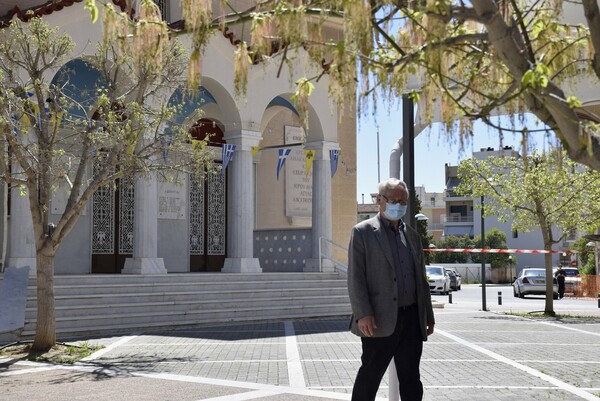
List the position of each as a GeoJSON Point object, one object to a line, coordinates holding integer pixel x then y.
{"type": "Point", "coordinates": [560, 279]}
{"type": "Point", "coordinates": [389, 294]}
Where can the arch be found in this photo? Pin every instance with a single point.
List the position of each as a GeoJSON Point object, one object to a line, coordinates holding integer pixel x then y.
{"type": "Point", "coordinates": [79, 81]}
{"type": "Point", "coordinates": [214, 102]}
{"type": "Point", "coordinates": [283, 101]}
{"type": "Point", "coordinates": [229, 112]}
{"type": "Point", "coordinates": [280, 101]}
{"type": "Point", "coordinates": [187, 104]}
{"type": "Point", "coordinates": [210, 128]}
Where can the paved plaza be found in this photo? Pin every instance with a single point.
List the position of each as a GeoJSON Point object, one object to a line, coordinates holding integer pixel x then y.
{"type": "Point", "coordinates": [473, 355]}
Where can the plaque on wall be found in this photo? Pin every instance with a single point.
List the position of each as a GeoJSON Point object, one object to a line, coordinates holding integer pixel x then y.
{"type": "Point", "coordinates": [298, 185]}
{"type": "Point", "coordinates": [171, 200]}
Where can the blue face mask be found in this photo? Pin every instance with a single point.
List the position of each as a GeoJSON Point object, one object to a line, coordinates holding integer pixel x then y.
{"type": "Point", "coordinates": [394, 211]}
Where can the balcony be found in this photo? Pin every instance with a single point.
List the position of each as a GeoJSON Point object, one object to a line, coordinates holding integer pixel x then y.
{"type": "Point", "coordinates": [450, 195]}
{"type": "Point", "coordinates": [459, 219]}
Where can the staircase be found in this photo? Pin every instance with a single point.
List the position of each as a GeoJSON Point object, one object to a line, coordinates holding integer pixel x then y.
{"type": "Point", "coordinates": [97, 305]}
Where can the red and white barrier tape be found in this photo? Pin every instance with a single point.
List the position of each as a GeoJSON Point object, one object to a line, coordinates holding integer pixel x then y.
{"type": "Point", "coordinates": [479, 250]}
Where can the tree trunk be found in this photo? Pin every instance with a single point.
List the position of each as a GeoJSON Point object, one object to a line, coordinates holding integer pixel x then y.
{"type": "Point", "coordinates": [549, 306]}
{"type": "Point", "coordinates": [45, 330]}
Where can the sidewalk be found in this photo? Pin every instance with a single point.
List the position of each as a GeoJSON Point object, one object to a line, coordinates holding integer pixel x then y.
{"type": "Point", "coordinates": [473, 355]}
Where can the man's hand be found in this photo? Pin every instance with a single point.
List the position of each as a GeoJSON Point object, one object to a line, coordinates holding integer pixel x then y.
{"type": "Point", "coordinates": [367, 325]}
{"type": "Point", "coordinates": [430, 328]}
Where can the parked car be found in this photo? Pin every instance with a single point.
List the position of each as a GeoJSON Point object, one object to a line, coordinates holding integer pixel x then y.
{"type": "Point", "coordinates": [532, 281]}
{"type": "Point", "coordinates": [439, 281]}
{"type": "Point", "coordinates": [455, 278]}
{"type": "Point", "coordinates": [572, 278]}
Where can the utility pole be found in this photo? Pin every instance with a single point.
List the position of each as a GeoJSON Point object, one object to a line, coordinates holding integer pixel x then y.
{"type": "Point", "coordinates": [483, 301]}
{"type": "Point", "coordinates": [378, 164]}
{"type": "Point", "coordinates": [408, 156]}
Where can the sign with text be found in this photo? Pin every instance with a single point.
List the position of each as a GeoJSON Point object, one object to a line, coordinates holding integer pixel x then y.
{"type": "Point", "coordinates": [298, 185]}
{"type": "Point", "coordinates": [171, 200]}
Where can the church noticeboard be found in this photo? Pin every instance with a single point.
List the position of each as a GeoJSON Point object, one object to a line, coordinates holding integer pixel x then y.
{"type": "Point", "coordinates": [298, 186]}
{"type": "Point", "coordinates": [171, 201]}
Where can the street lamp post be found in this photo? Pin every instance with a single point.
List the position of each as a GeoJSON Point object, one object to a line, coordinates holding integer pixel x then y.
{"type": "Point", "coordinates": [483, 302]}
{"type": "Point", "coordinates": [510, 260]}
{"type": "Point", "coordinates": [421, 217]}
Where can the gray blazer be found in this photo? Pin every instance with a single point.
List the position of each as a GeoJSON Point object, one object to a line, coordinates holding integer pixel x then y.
{"type": "Point", "coordinates": [372, 278]}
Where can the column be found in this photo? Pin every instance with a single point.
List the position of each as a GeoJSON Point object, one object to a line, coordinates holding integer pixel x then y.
{"type": "Point", "coordinates": [21, 248]}
{"type": "Point", "coordinates": [145, 229]}
{"type": "Point", "coordinates": [240, 205]}
{"type": "Point", "coordinates": [321, 206]}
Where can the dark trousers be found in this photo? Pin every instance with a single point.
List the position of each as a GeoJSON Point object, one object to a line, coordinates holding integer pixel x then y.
{"type": "Point", "coordinates": [405, 345]}
{"type": "Point", "coordinates": [561, 290]}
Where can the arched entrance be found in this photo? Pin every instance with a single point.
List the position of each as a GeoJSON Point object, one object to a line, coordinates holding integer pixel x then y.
{"type": "Point", "coordinates": [112, 205]}
{"type": "Point", "coordinates": [207, 208]}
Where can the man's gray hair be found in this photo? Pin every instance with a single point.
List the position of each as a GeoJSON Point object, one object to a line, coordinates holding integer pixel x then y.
{"type": "Point", "coordinates": [391, 183]}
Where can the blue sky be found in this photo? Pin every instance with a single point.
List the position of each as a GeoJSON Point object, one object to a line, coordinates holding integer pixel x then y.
{"type": "Point", "coordinates": [432, 149]}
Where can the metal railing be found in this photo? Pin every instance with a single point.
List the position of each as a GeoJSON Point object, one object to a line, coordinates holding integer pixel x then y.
{"type": "Point", "coordinates": [326, 255]}
{"type": "Point", "coordinates": [459, 219]}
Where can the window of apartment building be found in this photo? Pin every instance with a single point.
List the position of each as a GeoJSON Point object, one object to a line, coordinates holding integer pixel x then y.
{"type": "Point", "coordinates": [515, 234]}
{"type": "Point", "coordinates": [458, 209]}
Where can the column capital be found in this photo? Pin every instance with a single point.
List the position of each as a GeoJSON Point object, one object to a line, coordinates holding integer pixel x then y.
{"type": "Point", "coordinates": [244, 139]}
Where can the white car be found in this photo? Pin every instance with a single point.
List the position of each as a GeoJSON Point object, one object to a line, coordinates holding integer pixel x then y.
{"type": "Point", "coordinates": [439, 281]}
{"type": "Point", "coordinates": [572, 278]}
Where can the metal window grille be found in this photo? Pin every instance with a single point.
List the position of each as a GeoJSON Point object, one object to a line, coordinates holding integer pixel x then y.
{"type": "Point", "coordinates": [164, 8]}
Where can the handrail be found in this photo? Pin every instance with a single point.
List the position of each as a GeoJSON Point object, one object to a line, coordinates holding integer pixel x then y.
{"type": "Point", "coordinates": [338, 265]}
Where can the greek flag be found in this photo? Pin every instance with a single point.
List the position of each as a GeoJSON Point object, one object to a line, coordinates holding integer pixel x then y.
{"type": "Point", "coordinates": [227, 155]}
{"type": "Point", "coordinates": [166, 140]}
{"type": "Point", "coordinates": [334, 155]}
{"type": "Point", "coordinates": [283, 154]}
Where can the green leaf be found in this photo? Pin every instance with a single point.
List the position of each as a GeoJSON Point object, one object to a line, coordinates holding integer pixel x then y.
{"type": "Point", "coordinates": [574, 102]}
{"type": "Point", "coordinates": [528, 79]}
{"type": "Point", "coordinates": [542, 81]}
{"type": "Point", "coordinates": [91, 5]}
{"type": "Point", "coordinates": [414, 96]}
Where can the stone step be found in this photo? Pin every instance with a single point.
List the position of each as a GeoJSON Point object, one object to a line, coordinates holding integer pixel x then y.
{"type": "Point", "coordinates": [153, 310]}
{"type": "Point", "coordinates": [202, 278]}
{"type": "Point", "coordinates": [183, 302]}
{"type": "Point", "coordinates": [105, 304]}
{"type": "Point", "coordinates": [126, 324]}
{"type": "Point", "coordinates": [160, 287]}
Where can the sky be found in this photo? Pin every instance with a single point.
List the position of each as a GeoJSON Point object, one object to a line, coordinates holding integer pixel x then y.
{"type": "Point", "coordinates": [432, 150]}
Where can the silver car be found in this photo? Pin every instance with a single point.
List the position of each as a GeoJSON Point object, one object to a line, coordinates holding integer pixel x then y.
{"type": "Point", "coordinates": [455, 278]}
{"type": "Point", "coordinates": [532, 281]}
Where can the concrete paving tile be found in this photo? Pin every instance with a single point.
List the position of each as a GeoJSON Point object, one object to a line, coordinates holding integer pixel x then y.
{"type": "Point", "coordinates": [61, 385]}
{"type": "Point", "coordinates": [585, 375]}
{"type": "Point", "coordinates": [473, 356]}
{"type": "Point", "coordinates": [495, 394]}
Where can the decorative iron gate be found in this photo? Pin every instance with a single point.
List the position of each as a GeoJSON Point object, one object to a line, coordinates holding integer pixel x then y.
{"type": "Point", "coordinates": [112, 226]}
{"type": "Point", "coordinates": [163, 5]}
{"type": "Point", "coordinates": [207, 222]}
